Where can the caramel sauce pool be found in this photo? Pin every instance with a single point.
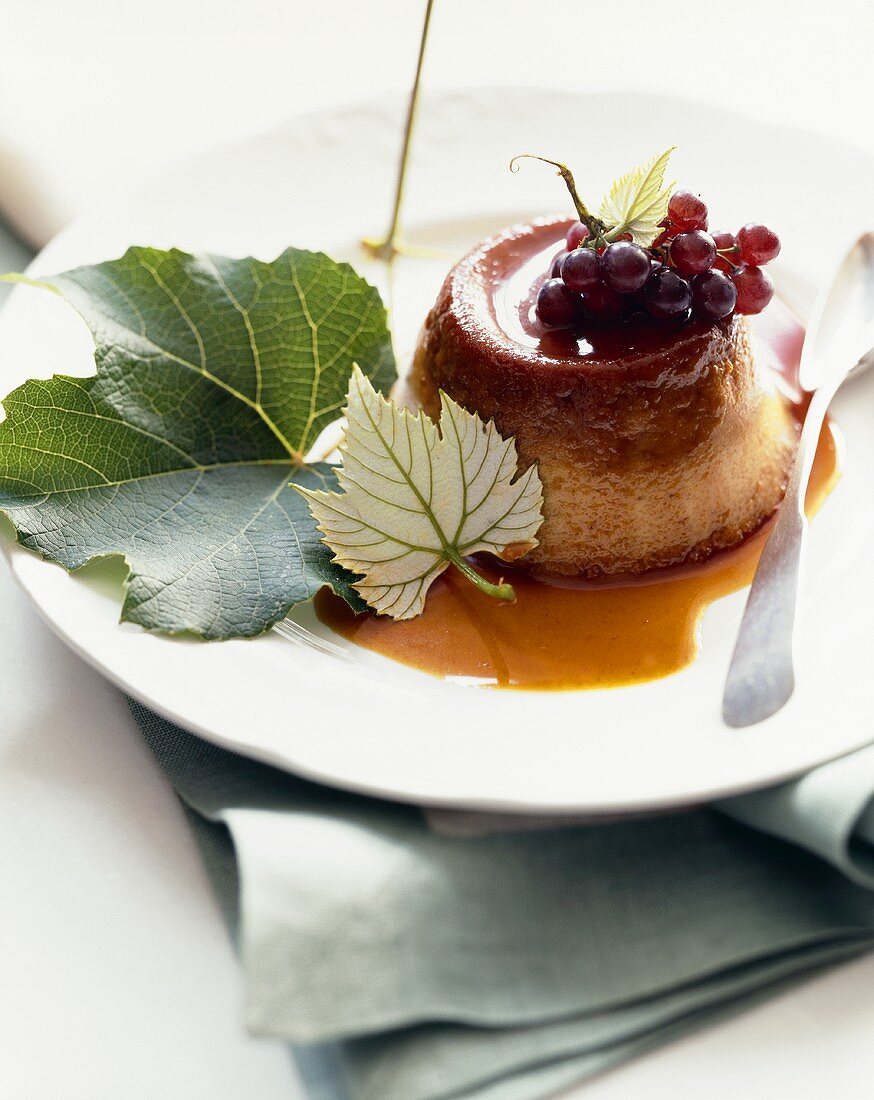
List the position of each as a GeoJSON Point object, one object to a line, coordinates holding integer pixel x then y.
{"type": "Point", "coordinates": [575, 635]}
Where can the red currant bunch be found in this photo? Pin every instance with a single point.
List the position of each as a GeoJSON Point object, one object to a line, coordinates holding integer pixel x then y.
{"type": "Point", "coordinates": [686, 272]}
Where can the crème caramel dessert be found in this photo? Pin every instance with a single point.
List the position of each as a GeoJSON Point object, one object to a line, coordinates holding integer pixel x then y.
{"type": "Point", "coordinates": [658, 441]}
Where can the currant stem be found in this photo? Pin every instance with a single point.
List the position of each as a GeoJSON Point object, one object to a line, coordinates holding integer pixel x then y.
{"type": "Point", "coordinates": [386, 248]}
{"type": "Point", "coordinates": [722, 253]}
{"type": "Point", "coordinates": [498, 591]}
{"type": "Point", "coordinates": [594, 226]}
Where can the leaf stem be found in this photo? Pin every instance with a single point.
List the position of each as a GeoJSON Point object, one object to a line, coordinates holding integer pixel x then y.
{"type": "Point", "coordinates": [385, 248]}
{"type": "Point", "coordinates": [497, 591]}
{"type": "Point", "coordinates": [24, 280]}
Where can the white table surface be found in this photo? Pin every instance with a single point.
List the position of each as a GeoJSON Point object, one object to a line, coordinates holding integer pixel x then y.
{"type": "Point", "coordinates": [116, 976]}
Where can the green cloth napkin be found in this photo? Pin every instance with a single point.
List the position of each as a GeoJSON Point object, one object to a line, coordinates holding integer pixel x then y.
{"type": "Point", "coordinates": [503, 965]}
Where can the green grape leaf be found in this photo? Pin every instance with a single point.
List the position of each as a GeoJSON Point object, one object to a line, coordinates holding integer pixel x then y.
{"type": "Point", "coordinates": [638, 201]}
{"type": "Point", "coordinates": [417, 499]}
{"type": "Point", "coordinates": [214, 378]}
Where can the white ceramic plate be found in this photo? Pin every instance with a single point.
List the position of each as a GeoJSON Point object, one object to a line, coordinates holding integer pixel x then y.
{"type": "Point", "coordinates": [357, 720]}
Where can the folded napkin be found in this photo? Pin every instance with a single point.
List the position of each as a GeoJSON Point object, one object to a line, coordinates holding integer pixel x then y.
{"type": "Point", "coordinates": [503, 965]}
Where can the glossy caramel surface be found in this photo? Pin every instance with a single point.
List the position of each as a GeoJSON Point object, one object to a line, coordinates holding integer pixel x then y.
{"type": "Point", "coordinates": [618, 390]}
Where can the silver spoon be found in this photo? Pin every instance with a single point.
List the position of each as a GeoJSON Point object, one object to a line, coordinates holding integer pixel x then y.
{"type": "Point", "coordinates": [839, 342]}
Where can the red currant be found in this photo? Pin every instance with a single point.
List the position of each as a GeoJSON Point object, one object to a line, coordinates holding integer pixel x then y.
{"type": "Point", "coordinates": [724, 241]}
{"type": "Point", "coordinates": [666, 294]}
{"type": "Point", "coordinates": [557, 306]}
{"type": "Point", "coordinates": [625, 267]}
{"type": "Point", "coordinates": [726, 246]}
{"type": "Point", "coordinates": [758, 244]}
{"type": "Point", "coordinates": [686, 211]}
{"type": "Point", "coordinates": [693, 253]}
{"type": "Point", "coordinates": [555, 270]}
{"type": "Point", "coordinates": [713, 295]}
{"type": "Point", "coordinates": [576, 235]}
{"type": "Point", "coordinates": [754, 289]}
{"type": "Point", "coordinates": [581, 270]}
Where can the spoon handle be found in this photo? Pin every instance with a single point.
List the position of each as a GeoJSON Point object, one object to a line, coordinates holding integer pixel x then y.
{"type": "Point", "coordinates": [761, 677]}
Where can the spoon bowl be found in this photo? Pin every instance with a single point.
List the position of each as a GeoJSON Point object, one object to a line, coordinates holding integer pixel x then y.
{"type": "Point", "coordinates": [840, 335]}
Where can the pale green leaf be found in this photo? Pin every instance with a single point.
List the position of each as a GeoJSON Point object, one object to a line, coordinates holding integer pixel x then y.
{"type": "Point", "coordinates": [214, 377]}
{"type": "Point", "coordinates": [638, 201]}
{"type": "Point", "coordinates": [416, 499]}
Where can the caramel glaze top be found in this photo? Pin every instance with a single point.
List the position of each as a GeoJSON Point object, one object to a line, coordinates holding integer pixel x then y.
{"type": "Point", "coordinates": [642, 391]}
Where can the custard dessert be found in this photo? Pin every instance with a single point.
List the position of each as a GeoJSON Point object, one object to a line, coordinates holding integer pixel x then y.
{"type": "Point", "coordinates": [658, 440]}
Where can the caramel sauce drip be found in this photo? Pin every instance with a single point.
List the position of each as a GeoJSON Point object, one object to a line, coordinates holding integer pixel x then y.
{"type": "Point", "coordinates": [586, 636]}
{"type": "Point", "coordinates": [579, 635]}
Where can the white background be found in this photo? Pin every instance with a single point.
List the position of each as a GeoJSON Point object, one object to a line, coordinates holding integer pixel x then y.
{"type": "Point", "coordinates": [116, 977]}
